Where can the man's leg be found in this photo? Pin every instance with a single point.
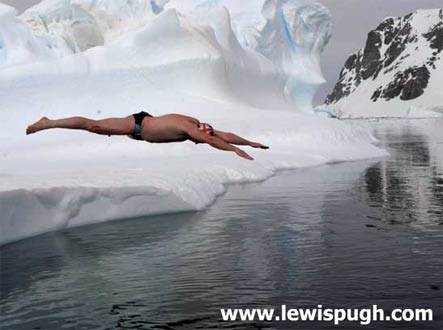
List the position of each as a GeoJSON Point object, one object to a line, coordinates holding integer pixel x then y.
{"type": "Point", "coordinates": [111, 126]}
{"type": "Point", "coordinates": [238, 140]}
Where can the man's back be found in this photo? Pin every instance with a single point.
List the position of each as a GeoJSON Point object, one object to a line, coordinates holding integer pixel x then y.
{"type": "Point", "coordinates": [167, 128]}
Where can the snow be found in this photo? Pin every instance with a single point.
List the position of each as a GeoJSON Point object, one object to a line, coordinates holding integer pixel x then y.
{"type": "Point", "coordinates": [161, 61]}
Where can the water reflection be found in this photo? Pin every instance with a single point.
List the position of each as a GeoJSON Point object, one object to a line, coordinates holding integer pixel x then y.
{"type": "Point", "coordinates": [89, 245]}
{"type": "Point", "coordinates": [415, 189]}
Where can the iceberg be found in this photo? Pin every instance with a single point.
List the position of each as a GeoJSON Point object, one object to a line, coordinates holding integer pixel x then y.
{"type": "Point", "coordinates": [17, 44]}
{"type": "Point", "coordinates": [241, 67]}
{"type": "Point", "coordinates": [294, 36]}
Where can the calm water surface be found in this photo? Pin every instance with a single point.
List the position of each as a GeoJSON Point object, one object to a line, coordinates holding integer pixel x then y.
{"type": "Point", "coordinates": [342, 235]}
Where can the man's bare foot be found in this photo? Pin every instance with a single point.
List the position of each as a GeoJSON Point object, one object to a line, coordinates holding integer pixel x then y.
{"type": "Point", "coordinates": [42, 124]}
{"type": "Point", "coordinates": [259, 145]}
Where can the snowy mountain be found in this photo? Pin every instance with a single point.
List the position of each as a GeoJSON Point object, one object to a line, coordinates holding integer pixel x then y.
{"type": "Point", "coordinates": [249, 69]}
{"type": "Point", "coordinates": [398, 73]}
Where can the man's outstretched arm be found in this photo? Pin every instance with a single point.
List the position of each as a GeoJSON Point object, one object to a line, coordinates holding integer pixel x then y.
{"type": "Point", "coordinates": [200, 137]}
{"type": "Point", "coordinates": [238, 140]}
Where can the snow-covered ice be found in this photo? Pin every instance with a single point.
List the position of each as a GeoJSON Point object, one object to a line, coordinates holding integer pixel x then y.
{"type": "Point", "coordinates": [105, 58]}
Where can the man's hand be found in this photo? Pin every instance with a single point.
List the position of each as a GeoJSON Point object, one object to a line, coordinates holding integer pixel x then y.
{"type": "Point", "coordinates": [243, 154]}
{"type": "Point", "coordinates": [198, 136]}
{"type": "Point", "coordinates": [259, 145]}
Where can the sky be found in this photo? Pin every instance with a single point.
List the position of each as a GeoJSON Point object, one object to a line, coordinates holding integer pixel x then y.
{"type": "Point", "coordinates": [352, 19]}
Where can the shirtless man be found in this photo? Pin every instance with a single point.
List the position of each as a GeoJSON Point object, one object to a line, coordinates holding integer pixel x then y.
{"type": "Point", "coordinates": [162, 129]}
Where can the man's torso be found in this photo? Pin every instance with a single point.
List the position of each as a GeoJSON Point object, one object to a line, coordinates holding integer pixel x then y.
{"type": "Point", "coordinates": [167, 128]}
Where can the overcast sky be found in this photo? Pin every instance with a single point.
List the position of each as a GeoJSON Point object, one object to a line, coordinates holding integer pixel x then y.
{"type": "Point", "coordinates": [353, 19]}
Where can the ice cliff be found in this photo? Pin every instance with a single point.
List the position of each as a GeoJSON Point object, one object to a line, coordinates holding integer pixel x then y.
{"type": "Point", "coordinates": [282, 42]}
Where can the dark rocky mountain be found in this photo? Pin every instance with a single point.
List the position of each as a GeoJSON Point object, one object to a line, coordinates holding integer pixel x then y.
{"type": "Point", "coordinates": [399, 59]}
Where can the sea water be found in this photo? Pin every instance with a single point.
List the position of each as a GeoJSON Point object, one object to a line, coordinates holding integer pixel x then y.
{"type": "Point", "coordinates": [344, 235]}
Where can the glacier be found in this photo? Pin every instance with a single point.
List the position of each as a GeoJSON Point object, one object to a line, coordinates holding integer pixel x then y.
{"type": "Point", "coordinates": [251, 67]}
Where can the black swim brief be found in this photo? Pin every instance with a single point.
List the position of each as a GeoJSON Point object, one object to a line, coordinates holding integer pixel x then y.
{"type": "Point", "coordinates": [138, 117]}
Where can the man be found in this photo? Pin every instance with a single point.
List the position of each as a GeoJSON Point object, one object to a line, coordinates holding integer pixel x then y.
{"type": "Point", "coordinates": [162, 129]}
